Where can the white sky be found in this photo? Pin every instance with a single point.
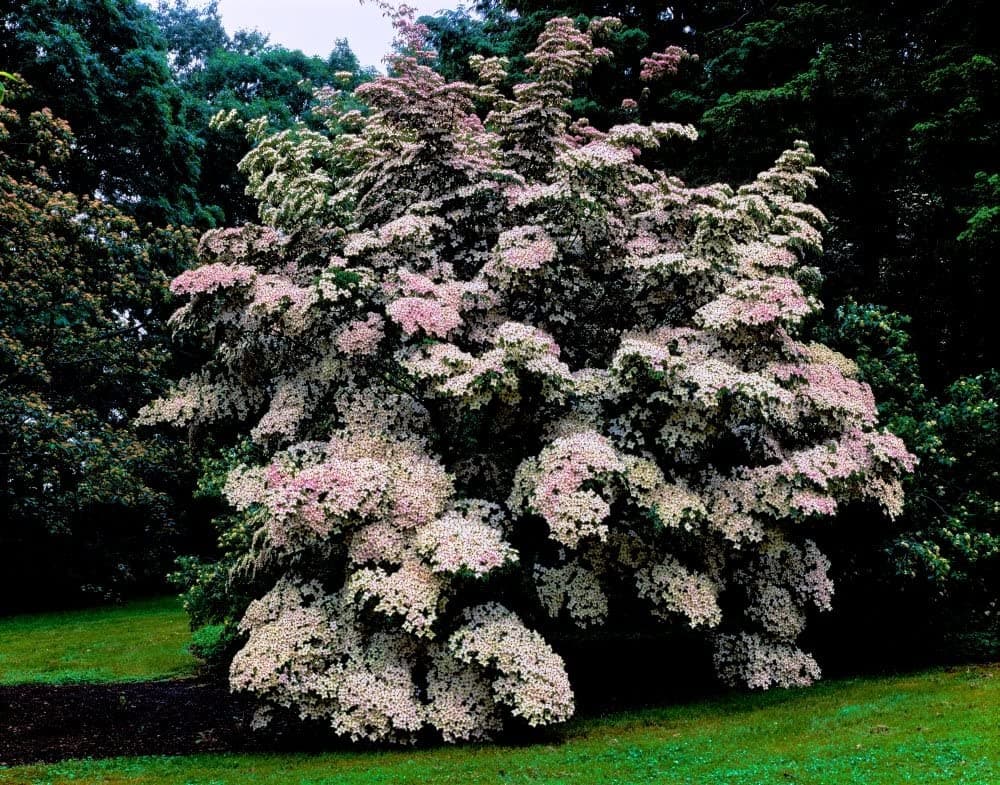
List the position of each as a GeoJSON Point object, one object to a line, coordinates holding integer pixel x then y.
{"type": "Point", "coordinates": [314, 25]}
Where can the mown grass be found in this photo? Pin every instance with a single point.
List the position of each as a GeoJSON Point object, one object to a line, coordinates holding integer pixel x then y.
{"type": "Point", "coordinates": [936, 727]}
{"type": "Point", "coordinates": [139, 641]}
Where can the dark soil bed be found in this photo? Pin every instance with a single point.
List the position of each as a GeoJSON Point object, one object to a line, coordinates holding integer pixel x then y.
{"type": "Point", "coordinates": [44, 723]}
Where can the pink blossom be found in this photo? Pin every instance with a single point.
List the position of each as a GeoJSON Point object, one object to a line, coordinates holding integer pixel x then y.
{"type": "Point", "coordinates": [210, 278]}
{"type": "Point", "coordinates": [362, 337]}
{"type": "Point", "coordinates": [661, 64]}
{"type": "Point", "coordinates": [414, 314]}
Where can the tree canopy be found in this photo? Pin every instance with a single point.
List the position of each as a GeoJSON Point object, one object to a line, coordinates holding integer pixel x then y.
{"type": "Point", "coordinates": [250, 78]}
{"type": "Point", "coordinates": [85, 505]}
{"type": "Point", "coordinates": [103, 68]}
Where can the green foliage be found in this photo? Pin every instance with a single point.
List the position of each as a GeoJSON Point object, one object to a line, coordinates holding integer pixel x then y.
{"type": "Point", "coordinates": [982, 228]}
{"type": "Point", "coordinates": [946, 547]}
{"type": "Point", "coordinates": [936, 727]}
{"type": "Point", "coordinates": [270, 82]}
{"type": "Point", "coordinates": [103, 67]}
{"type": "Point", "coordinates": [139, 87]}
{"type": "Point", "coordinates": [192, 34]}
{"type": "Point", "coordinates": [251, 78]}
{"type": "Point", "coordinates": [4, 76]}
{"type": "Point", "coordinates": [135, 642]}
{"type": "Point", "coordinates": [213, 643]}
{"type": "Point", "coordinates": [85, 506]}
{"type": "Point", "coordinates": [216, 591]}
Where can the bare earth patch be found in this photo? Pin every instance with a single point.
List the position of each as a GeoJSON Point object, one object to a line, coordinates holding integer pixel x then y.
{"type": "Point", "coordinates": [43, 722]}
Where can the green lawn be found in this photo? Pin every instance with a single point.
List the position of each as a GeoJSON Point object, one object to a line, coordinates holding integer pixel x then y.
{"type": "Point", "coordinates": [936, 727]}
{"type": "Point", "coordinates": [142, 640]}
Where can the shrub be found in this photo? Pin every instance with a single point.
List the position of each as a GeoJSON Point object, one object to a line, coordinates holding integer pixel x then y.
{"type": "Point", "coordinates": [210, 642]}
{"type": "Point", "coordinates": [509, 379]}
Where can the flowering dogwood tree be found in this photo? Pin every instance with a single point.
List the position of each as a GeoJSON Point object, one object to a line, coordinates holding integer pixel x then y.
{"type": "Point", "coordinates": [507, 374]}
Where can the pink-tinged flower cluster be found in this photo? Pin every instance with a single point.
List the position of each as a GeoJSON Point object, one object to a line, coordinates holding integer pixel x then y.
{"type": "Point", "coordinates": [200, 399]}
{"type": "Point", "coordinates": [776, 612]}
{"type": "Point", "coordinates": [662, 64]}
{"type": "Point", "coordinates": [379, 541]}
{"type": "Point", "coordinates": [757, 302]}
{"type": "Point", "coordinates": [765, 257]}
{"type": "Point", "coordinates": [862, 464]}
{"type": "Point", "coordinates": [812, 503]}
{"type": "Point", "coordinates": [307, 652]}
{"type": "Point", "coordinates": [524, 249]}
{"type": "Point", "coordinates": [600, 155]}
{"type": "Point", "coordinates": [240, 243]}
{"type": "Point", "coordinates": [524, 343]}
{"type": "Point", "coordinates": [674, 589]}
{"type": "Point", "coordinates": [433, 308]}
{"type": "Point", "coordinates": [673, 503]}
{"type": "Point", "coordinates": [553, 486]}
{"type": "Point", "coordinates": [461, 703]}
{"type": "Point", "coordinates": [361, 337]}
{"type": "Point", "coordinates": [416, 314]}
{"type": "Point", "coordinates": [314, 503]}
{"type": "Point", "coordinates": [826, 390]}
{"type": "Point", "coordinates": [520, 350]}
{"type": "Point", "coordinates": [467, 333]}
{"type": "Point", "coordinates": [210, 278]}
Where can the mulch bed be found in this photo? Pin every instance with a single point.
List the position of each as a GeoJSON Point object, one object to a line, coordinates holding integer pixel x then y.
{"type": "Point", "coordinates": [45, 723]}
{"type": "Point", "coordinates": [41, 723]}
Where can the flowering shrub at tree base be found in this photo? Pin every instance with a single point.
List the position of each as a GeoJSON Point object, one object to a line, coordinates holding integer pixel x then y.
{"type": "Point", "coordinates": [510, 381]}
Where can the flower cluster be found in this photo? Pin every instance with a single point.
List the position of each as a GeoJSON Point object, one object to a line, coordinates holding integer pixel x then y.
{"type": "Point", "coordinates": [661, 64]}
{"type": "Point", "coordinates": [672, 588]}
{"type": "Point", "coordinates": [485, 354]}
{"type": "Point", "coordinates": [459, 542]}
{"type": "Point", "coordinates": [553, 486]}
{"type": "Point", "coordinates": [210, 278]}
{"type": "Point", "coordinates": [530, 679]}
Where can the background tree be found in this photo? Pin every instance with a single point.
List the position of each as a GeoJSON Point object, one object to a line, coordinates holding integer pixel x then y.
{"type": "Point", "coordinates": [192, 33]}
{"type": "Point", "coordinates": [85, 504]}
{"type": "Point", "coordinates": [93, 508]}
{"type": "Point", "coordinates": [250, 78]}
{"type": "Point", "coordinates": [103, 67]}
{"type": "Point", "coordinates": [139, 86]}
